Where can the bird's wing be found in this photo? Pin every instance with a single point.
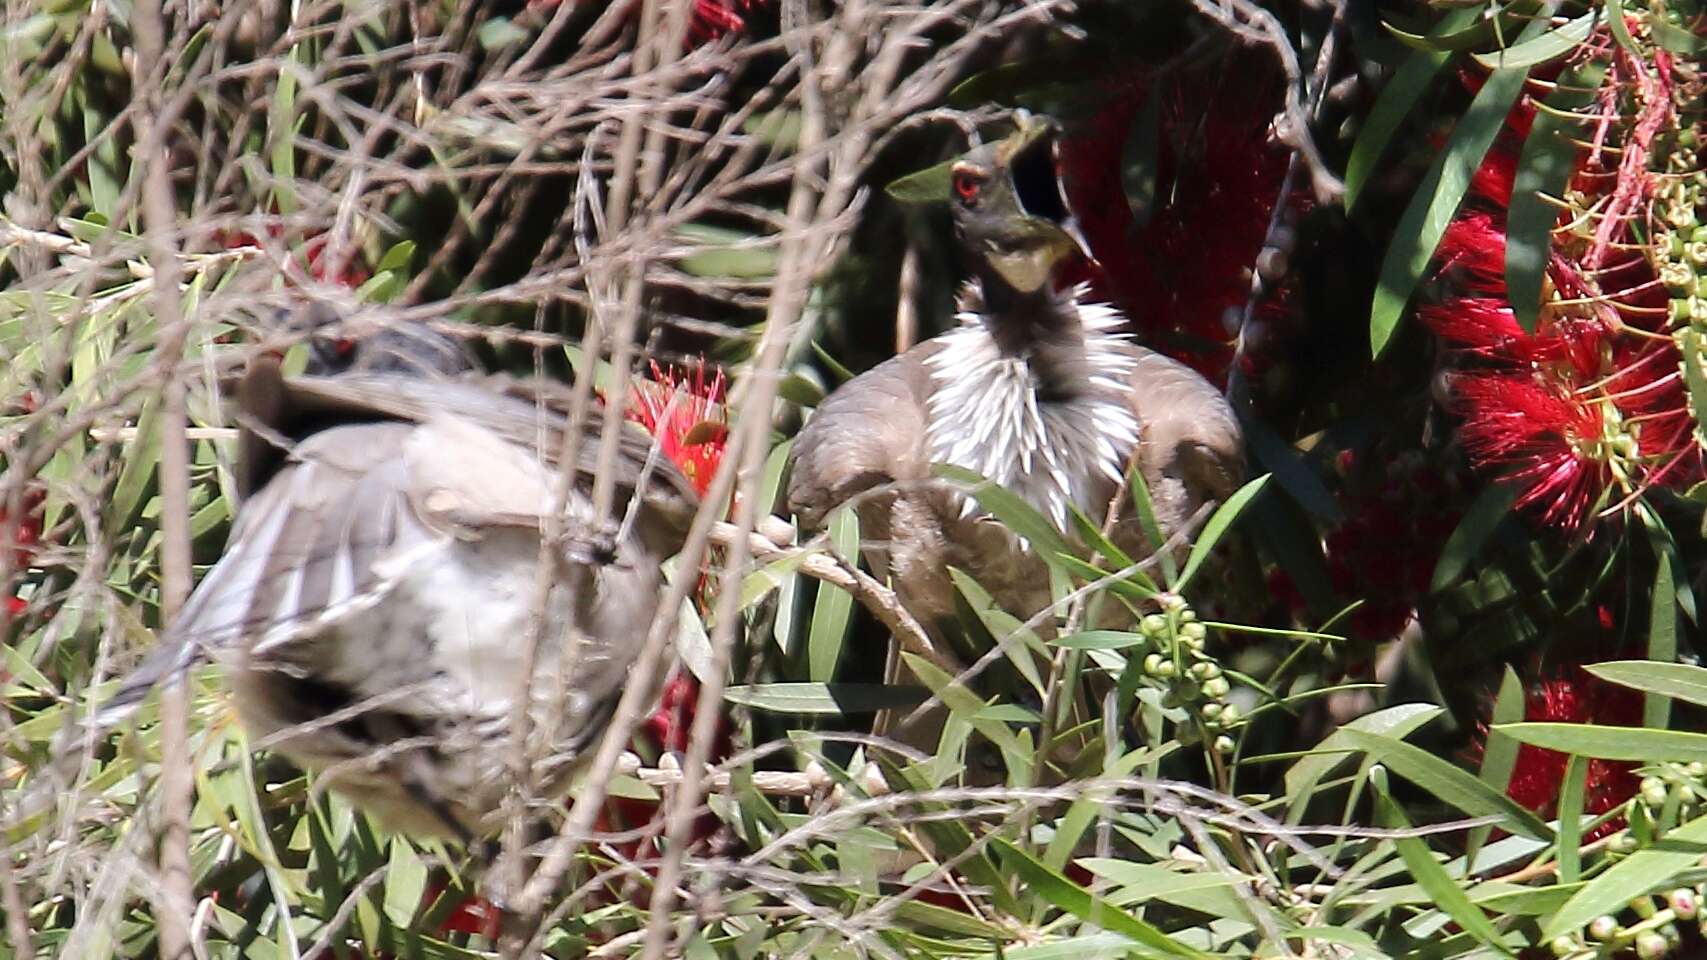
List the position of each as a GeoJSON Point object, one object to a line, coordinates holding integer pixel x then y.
{"type": "Point", "coordinates": [526, 417]}
{"type": "Point", "coordinates": [1190, 441]}
{"type": "Point", "coordinates": [869, 431]}
{"type": "Point", "coordinates": [309, 548]}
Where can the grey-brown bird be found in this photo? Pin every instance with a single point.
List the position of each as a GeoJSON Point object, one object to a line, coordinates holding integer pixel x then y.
{"type": "Point", "coordinates": [1036, 390]}
{"type": "Point", "coordinates": [372, 609]}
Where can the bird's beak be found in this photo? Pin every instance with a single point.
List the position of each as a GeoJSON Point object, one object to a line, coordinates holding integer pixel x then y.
{"type": "Point", "coordinates": [1031, 158]}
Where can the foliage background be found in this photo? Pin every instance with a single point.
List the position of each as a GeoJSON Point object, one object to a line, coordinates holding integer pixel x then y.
{"type": "Point", "coordinates": [1445, 258]}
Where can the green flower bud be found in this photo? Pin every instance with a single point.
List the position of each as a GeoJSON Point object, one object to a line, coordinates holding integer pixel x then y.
{"type": "Point", "coordinates": [1153, 664]}
{"type": "Point", "coordinates": [1210, 711]}
{"type": "Point", "coordinates": [1224, 745]}
{"type": "Point", "coordinates": [1193, 631]}
{"type": "Point", "coordinates": [1153, 625]}
{"type": "Point", "coordinates": [1651, 946]}
{"type": "Point", "coordinates": [1563, 946]}
{"type": "Point", "coordinates": [1603, 928]}
{"type": "Point", "coordinates": [1683, 902]}
{"type": "Point", "coordinates": [1216, 688]}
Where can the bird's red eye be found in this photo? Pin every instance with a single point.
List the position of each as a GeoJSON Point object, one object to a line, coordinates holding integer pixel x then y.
{"type": "Point", "coordinates": [966, 185]}
{"type": "Point", "coordinates": [344, 346]}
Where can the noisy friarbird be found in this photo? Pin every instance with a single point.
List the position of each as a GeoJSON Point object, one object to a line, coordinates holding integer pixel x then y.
{"type": "Point", "coordinates": [1036, 390]}
{"type": "Point", "coordinates": [374, 606]}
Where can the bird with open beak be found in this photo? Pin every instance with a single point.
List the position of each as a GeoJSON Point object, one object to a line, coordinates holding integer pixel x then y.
{"type": "Point", "coordinates": [1035, 390]}
{"type": "Point", "coordinates": [374, 608]}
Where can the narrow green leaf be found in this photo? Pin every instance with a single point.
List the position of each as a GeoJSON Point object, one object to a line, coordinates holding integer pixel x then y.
{"type": "Point", "coordinates": [1627, 879]}
{"type": "Point", "coordinates": [929, 185]}
{"type": "Point", "coordinates": [1571, 819]}
{"type": "Point", "coordinates": [1436, 201]}
{"type": "Point", "coordinates": [1076, 900]}
{"type": "Point", "coordinates": [1489, 509]}
{"type": "Point", "coordinates": [823, 699]}
{"type": "Point", "coordinates": [833, 610]}
{"type": "Point", "coordinates": [1680, 681]}
{"type": "Point", "coordinates": [1397, 100]}
{"type": "Point", "coordinates": [1638, 744]}
{"type": "Point", "coordinates": [1447, 782]}
{"type": "Point", "coordinates": [1100, 640]}
{"type": "Point", "coordinates": [405, 882]}
{"type": "Point", "coordinates": [1394, 721]}
{"type": "Point", "coordinates": [1014, 513]}
{"type": "Point", "coordinates": [1432, 877]}
{"type": "Point", "coordinates": [1543, 170]}
{"type": "Point", "coordinates": [1218, 525]}
{"type": "Point", "coordinates": [1662, 639]}
{"type": "Point", "coordinates": [1499, 753]}
{"type": "Point", "coordinates": [1540, 49]}
{"type": "Point", "coordinates": [1291, 471]}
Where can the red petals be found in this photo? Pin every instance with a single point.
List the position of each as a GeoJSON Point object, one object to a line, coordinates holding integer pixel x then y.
{"type": "Point", "coordinates": [686, 414]}
{"type": "Point", "coordinates": [1576, 696]}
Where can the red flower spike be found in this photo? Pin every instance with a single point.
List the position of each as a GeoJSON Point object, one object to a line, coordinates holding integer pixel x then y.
{"type": "Point", "coordinates": [686, 414]}
{"type": "Point", "coordinates": [1588, 409]}
{"type": "Point", "coordinates": [1575, 696]}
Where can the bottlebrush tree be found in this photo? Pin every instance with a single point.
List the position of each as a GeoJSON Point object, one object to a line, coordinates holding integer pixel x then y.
{"type": "Point", "coordinates": [1426, 686]}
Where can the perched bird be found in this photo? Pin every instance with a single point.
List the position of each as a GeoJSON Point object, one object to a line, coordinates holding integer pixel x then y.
{"type": "Point", "coordinates": [1035, 390]}
{"type": "Point", "coordinates": [373, 607]}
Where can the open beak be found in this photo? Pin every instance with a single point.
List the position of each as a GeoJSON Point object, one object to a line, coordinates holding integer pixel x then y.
{"type": "Point", "coordinates": [1034, 169]}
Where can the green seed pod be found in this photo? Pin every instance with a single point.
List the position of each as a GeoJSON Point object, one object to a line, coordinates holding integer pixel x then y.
{"type": "Point", "coordinates": [1216, 688]}
{"type": "Point", "coordinates": [1166, 669]}
{"type": "Point", "coordinates": [1153, 664]}
{"type": "Point", "coordinates": [1210, 711]}
{"type": "Point", "coordinates": [1230, 714]}
{"type": "Point", "coordinates": [1193, 630]}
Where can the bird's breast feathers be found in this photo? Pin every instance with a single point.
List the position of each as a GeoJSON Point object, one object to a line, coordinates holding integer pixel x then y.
{"type": "Point", "coordinates": [986, 415]}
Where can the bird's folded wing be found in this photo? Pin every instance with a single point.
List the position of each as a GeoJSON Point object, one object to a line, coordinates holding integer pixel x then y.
{"type": "Point", "coordinates": [501, 408]}
{"type": "Point", "coordinates": [868, 432]}
{"type": "Point", "coordinates": [309, 548]}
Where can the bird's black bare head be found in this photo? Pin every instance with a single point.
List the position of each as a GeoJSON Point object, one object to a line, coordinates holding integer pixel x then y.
{"type": "Point", "coordinates": [1010, 210]}
{"type": "Point", "coordinates": [336, 346]}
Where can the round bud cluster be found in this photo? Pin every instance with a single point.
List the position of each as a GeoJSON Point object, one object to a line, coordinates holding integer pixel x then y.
{"type": "Point", "coordinates": [1680, 260]}
{"type": "Point", "coordinates": [1653, 935]}
{"type": "Point", "coordinates": [1684, 784]}
{"type": "Point", "coordinates": [1192, 678]}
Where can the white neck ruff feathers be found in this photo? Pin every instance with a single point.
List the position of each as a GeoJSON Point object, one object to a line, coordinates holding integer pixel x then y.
{"type": "Point", "coordinates": [985, 415]}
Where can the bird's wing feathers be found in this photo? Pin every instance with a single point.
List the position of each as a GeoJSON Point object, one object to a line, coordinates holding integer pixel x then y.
{"type": "Point", "coordinates": [1189, 436]}
{"type": "Point", "coordinates": [306, 550]}
{"type": "Point", "coordinates": [500, 408]}
{"type": "Point", "coordinates": [868, 432]}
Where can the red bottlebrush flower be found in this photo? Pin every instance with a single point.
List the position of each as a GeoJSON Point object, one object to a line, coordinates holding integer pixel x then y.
{"type": "Point", "coordinates": [707, 21]}
{"type": "Point", "coordinates": [1574, 696]}
{"type": "Point", "coordinates": [475, 914]}
{"type": "Point", "coordinates": [1178, 274]}
{"type": "Point", "coordinates": [686, 415]}
{"type": "Point", "coordinates": [1588, 410]}
{"type": "Point", "coordinates": [15, 606]}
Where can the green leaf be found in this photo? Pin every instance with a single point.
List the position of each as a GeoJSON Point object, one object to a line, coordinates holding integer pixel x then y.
{"type": "Point", "coordinates": [1641, 872]}
{"type": "Point", "coordinates": [727, 253]}
{"type": "Point", "coordinates": [1447, 782]}
{"type": "Point", "coordinates": [834, 608]}
{"type": "Point", "coordinates": [1637, 744]}
{"type": "Point", "coordinates": [1014, 513]}
{"type": "Point", "coordinates": [1543, 170]}
{"type": "Point", "coordinates": [1290, 470]}
{"type": "Point", "coordinates": [1100, 640]}
{"type": "Point", "coordinates": [929, 185]}
{"type": "Point", "coordinates": [1217, 526]}
{"type": "Point", "coordinates": [1680, 681]}
{"type": "Point", "coordinates": [1489, 509]}
{"type": "Point", "coordinates": [1540, 49]}
{"type": "Point", "coordinates": [1431, 876]}
{"type": "Point", "coordinates": [1571, 819]}
{"type": "Point", "coordinates": [963, 703]}
{"type": "Point", "coordinates": [1662, 615]}
{"type": "Point", "coordinates": [1398, 99]}
{"type": "Point", "coordinates": [405, 883]}
{"type": "Point", "coordinates": [1394, 721]}
{"type": "Point", "coordinates": [1436, 201]}
{"type": "Point", "coordinates": [1076, 900]}
{"type": "Point", "coordinates": [824, 699]}
{"type": "Point", "coordinates": [1499, 753]}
